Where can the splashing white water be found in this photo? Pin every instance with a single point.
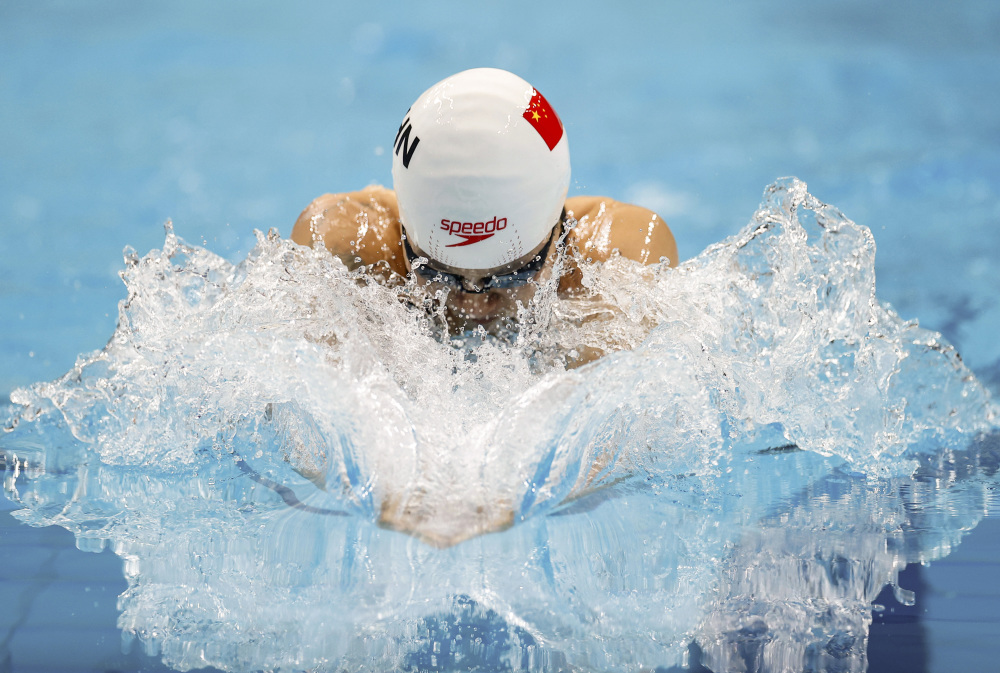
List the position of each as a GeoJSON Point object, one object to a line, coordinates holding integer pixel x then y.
{"type": "Point", "coordinates": [336, 394]}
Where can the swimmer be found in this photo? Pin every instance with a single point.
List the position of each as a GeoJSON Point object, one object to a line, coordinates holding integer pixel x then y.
{"type": "Point", "coordinates": [480, 171]}
{"type": "Point", "coordinates": [478, 215]}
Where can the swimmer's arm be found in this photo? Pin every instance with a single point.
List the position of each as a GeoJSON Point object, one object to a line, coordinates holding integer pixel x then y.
{"type": "Point", "coordinates": [361, 228]}
{"type": "Point", "coordinates": [605, 226]}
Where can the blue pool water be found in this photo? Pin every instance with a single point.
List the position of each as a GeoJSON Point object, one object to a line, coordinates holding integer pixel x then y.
{"type": "Point", "coordinates": [172, 450]}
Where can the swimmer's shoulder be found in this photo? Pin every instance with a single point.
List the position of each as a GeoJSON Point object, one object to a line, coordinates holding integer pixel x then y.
{"type": "Point", "coordinates": [361, 227]}
{"type": "Point", "coordinates": [605, 226]}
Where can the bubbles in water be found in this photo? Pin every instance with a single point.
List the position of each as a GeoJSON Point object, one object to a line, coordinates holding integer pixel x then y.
{"type": "Point", "coordinates": [248, 424]}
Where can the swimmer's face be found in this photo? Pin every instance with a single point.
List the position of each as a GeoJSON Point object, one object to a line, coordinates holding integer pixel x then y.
{"type": "Point", "coordinates": [492, 308]}
{"type": "Point", "coordinates": [490, 301]}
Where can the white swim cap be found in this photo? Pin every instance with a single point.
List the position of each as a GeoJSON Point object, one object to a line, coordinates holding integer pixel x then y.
{"type": "Point", "coordinates": [481, 169]}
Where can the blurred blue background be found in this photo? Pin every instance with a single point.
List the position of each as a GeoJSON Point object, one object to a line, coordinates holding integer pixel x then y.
{"type": "Point", "coordinates": [231, 116]}
{"type": "Point", "coordinates": [226, 117]}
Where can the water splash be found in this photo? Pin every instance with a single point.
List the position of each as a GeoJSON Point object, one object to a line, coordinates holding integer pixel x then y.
{"type": "Point", "coordinates": [248, 423]}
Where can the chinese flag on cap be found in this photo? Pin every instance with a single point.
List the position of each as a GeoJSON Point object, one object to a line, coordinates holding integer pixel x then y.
{"type": "Point", "coordinates": [541, 115]}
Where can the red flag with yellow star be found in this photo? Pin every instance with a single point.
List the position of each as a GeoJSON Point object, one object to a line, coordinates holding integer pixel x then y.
{"type": "Point", "coordinates": [541, 115]}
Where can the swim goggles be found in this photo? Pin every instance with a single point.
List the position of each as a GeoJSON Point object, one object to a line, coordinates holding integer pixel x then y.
{"type": "Point", "coordinates": [501, 281]}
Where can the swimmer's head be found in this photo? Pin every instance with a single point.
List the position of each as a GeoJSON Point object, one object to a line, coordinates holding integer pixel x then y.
{"type": "Point", "coordinates": [481, 169]}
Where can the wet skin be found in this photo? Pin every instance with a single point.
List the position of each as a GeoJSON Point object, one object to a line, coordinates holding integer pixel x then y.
{"type": "Point", "coordinates": [363, 229]}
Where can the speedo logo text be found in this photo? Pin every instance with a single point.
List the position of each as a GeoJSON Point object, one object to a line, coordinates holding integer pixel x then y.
{"type": "Point", "coordinates": [472, 232]}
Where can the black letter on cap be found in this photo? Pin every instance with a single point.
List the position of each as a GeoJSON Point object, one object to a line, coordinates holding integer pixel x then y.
{"type": "Point", "coordinates": [403, 141]}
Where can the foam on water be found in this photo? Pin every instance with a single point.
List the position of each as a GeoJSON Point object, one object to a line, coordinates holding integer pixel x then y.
{"type": "Point", "coordinates": [247, 424]}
